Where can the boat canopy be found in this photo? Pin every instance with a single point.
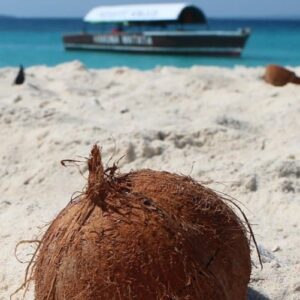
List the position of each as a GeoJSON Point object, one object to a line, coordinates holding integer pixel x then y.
{"type": "Point", "coordinates": [145, 13]}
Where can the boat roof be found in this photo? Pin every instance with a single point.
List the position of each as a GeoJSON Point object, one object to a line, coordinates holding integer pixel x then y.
{"type": "Point", "coordinates": [155, 12]}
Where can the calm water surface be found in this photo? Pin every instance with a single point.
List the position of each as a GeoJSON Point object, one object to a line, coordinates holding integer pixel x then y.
{"type": "Point", "coordinates": [38, 41]}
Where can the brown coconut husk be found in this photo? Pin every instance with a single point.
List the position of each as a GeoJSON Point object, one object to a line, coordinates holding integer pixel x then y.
{"type": "Point", "coordinates": [280, 76]}
{"type": "Point", "coordinates": [222, 244]}
{"type": "Point", "coordinates": [142, 235]}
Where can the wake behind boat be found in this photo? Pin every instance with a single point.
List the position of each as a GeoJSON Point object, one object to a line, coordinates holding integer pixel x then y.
{"type": "Point", "coordinates": [177, 28]}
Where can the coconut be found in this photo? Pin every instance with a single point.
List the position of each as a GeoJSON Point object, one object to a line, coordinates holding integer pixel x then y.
{"type": "Point", "coordinates": [143, 235]}
{"type": "Point", "coordinates": [280, 76]}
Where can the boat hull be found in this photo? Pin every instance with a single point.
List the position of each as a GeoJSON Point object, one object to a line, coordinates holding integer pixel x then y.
{"type": "Point", "coordinates": [198, 43]}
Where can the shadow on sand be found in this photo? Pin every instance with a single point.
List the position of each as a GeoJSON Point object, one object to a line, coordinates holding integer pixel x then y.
{"type": "Point", "coordinates": [255, 295]}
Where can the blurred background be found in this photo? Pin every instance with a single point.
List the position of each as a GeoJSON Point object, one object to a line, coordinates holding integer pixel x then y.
{"type": "Point", "coordinates": [31, 33]}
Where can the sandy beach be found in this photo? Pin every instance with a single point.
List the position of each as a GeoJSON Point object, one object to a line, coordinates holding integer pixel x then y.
{"type": "Point", "coordinates": [225, 127]}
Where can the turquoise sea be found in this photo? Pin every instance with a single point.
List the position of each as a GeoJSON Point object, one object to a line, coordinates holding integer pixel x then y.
{"type": "Point", "coordinates": [38, 41]}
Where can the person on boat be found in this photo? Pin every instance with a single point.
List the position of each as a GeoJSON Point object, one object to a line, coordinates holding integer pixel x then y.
{"type": "Point", "coordinates": [118, 29]}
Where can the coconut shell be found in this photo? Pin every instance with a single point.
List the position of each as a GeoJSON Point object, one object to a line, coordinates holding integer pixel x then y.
{"type": "Point", "coordinates": [143, 235]}
{"type": "Point", "coordinates": [280, 76]}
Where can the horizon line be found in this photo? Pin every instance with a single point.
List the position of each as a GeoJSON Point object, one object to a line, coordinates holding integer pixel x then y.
{"type": "Point", "coordinates": [267, 17]}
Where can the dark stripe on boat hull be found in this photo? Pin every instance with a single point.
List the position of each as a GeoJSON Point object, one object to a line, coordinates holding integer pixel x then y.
{"type": "Point", "coordinates": [206, 44]}
{"type": "Point", "coordinates": [158, 50]}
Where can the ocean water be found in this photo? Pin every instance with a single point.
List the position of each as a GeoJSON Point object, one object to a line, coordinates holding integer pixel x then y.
{"type": "Point", "coordinates": [39, 41]}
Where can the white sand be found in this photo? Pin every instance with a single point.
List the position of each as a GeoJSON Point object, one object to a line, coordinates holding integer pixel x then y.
{"type": "Point", "coordinates": [225, 127]}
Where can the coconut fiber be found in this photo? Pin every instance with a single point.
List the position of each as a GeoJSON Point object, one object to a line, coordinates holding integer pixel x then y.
{"type": "Point", "coordinates": [144, 235]}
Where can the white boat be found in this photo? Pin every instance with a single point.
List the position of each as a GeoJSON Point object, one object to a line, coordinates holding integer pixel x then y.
{"type": "Point", "coordinates": [156, 28]}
